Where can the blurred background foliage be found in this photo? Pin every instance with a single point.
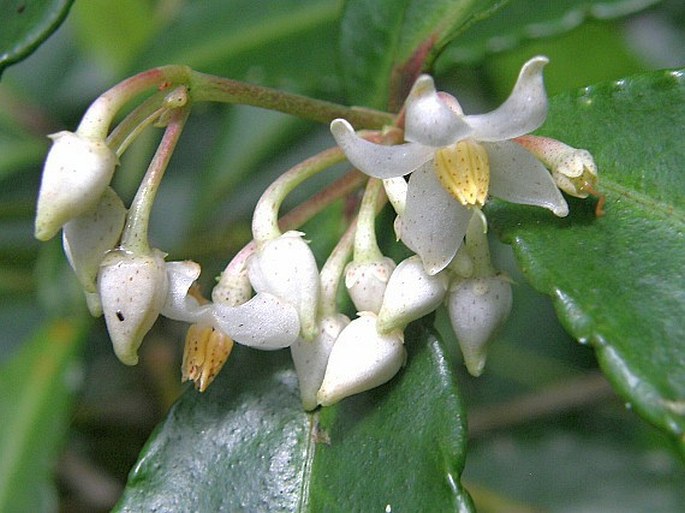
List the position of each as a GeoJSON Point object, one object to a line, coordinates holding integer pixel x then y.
{"type": "Point", "coordinates": [546, 431]}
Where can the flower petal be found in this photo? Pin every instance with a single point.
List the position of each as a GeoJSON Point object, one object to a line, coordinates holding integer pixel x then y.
{"type": "Point", "coordinates": [179, 305]}
{"type": "Point", "coordinates": [517, 176]}
{"type": "Point", "coordinates": [378, 160]}
{"type": "Point", "coordinates": [524, 110]}
{"type": "Point", "coordinates": [264, 322]}
{"type": "Point", "coordinates": [434, 223]}
{"type": "Point", "coordinates": [429, 120]}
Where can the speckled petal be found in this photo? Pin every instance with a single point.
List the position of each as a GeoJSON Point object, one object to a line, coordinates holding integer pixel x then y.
{"type": "Point", "coordinates": [429, 120]}
{"type": "Point", "coordinates": [264, 322]}
{"type": "Point", "coordinates": [179, 305]}
{"type": "Point", "coordinates": [524, 110]}
{"type": "Point", "coordinates": [517, 176]}
{"type": "Point", "coordinates": [434, 223]}
{"type": "Point", "coordinates": [378, 160]}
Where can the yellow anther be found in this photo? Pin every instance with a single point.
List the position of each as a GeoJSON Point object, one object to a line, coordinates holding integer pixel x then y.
{"type": "Point", "coordinates": [464, 171]}
{"type": "Point", "coordinates": [206, 350]}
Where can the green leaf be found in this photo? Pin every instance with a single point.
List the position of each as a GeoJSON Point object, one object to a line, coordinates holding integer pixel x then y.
{"type": "Point", "coordinates": [287, 44]}
{"type": "Point", "coordinates": [115, 32]}
{"type": "Point", "coordinates": [617, 280]}
{"type": "Point", "coordinates": [246, 444]}
{"type": "Point", "coordinates": [522, 20]}
{"type": "Point", "coordinates": [610, 463]}
{"type": "Point", "coordinates": [35, 397]}
{"type": "Point", "coordinates": [25, 25]}
{"type": "Point", "coordinates": [385, 43]}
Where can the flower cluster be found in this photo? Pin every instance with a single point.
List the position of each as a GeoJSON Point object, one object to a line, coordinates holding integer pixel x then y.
{"type": "Point", "coordinates": [272, 294]}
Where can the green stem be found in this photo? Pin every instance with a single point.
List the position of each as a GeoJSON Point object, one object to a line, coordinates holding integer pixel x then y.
{"type": "Point", "coordinates": [332, 271]}
{"type": "Point", "coordinates": [212, 88]}
{"type": "Point", "coordinates": [135, 235]}
{"type": "Point", "coordinates": [265, 218]}
{"type": "Point", "coordinates": [98, 118]}
{"type": "Point", "coordinates": [365, 243]}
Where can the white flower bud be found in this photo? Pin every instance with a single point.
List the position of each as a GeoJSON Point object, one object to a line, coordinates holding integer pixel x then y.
{"type": "Point", "coordinates": [366, 282]}
{"type": "Point", "coordinates": [361, 359]}
{"type": "Point", "coordinates": [77, 170]}
{"type": "Point", "coordinates": [311, 357]}
{"type": "Point", "coordinates": [233, 288]}
{"type": "Point", "coordinates": [286, 268]}
{"type": "Point", "coordinates": [133, 289]}
{"type": "Point", "coordinates": [477, 308]}
{"type": "Point", "coordinates": [89, 236]}
{"type": "Point", "coordinates": [411, 293]}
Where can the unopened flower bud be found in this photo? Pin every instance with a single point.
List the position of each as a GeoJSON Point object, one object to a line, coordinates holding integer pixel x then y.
{"type": "Point", "coordinates": [366, 282]}
{"type": "Point", "coordinates": [411, 293]}
{"type": "Point", "coordinates": [574, 170]}
{"type": "Point", "coordinates": [77, 170]}
{"type": "Point", "coordinates": [361, 359]}
{"type": "Point", "coordinates": [285, 267]}
{"type": "Point", "coordinates": [89, 236]}
{"type": "Point", "coordinates": [133, 289]}
{"type": "Point", "coordinates": [205, 353]}
{"type": "Point", "coordinates": [233, 288]}
{"type": "Point", "coordinates": [311, 357]}
{"type": "Point", "coordinates": [477, 308]}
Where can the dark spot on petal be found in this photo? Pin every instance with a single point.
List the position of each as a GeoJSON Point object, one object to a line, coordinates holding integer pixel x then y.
{"type": "Point", "coordinates": [120, 315]}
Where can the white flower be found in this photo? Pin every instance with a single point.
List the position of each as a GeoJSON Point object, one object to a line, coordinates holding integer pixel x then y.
{"type": "Point", "coordinates": [77, 170]}
{"type": "Point", "coordinates": [89, 236]}
{"type": "Point", "coordinates": [456, 160]}
{"type": "Point", "coordinates": [264, 322]}
{"type": "Point", "coordinates": [285, 268]}
{"type": "Point", "coordinates": [366, 282]}
{"type": "Point", "coordinates": [411, 293]}
{"type": "Point", "coordinates": [361, 359]}
{"type": "Point", "coordinates": [311, 357]}
{"type": "Point", "coordinates": [133, 288]}
{"type": "Point", "coordinates": [477, 308]}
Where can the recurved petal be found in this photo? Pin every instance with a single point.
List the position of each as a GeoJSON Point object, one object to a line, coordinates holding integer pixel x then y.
{"type": "Point", "coordinates": [524, 110]}
{"type": "Point", "coordinates": [434, 223]}
{"type": "Point", "coordinates": [517, 176]}
{"type": "Point", "coordinates": [179, 305]}
{"type": "Point", "coordinates": [378, 160]}
{"type": "Point", "coordinates": [264, 322]}
{"type": "Point", "coordinates": [429, 120]}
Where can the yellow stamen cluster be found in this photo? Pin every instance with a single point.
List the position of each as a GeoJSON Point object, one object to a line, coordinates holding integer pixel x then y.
{"type": "Point", "coordinates": [464, 171]}
{"type": "Point", "coordinates": [206, 350]}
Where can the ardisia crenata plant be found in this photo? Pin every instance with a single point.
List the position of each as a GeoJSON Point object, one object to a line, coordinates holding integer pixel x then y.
{"type": "Point", "coordinates": [384, 274]}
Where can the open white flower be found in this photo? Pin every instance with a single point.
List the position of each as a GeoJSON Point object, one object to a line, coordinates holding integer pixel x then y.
{"type": "Point", "coordinates": [456, 160]}
{"type": "Point", "coordinates": [263, 322]}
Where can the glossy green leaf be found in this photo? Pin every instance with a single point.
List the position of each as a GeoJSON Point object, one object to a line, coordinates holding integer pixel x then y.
{"type": "Point", "coordinates": [617, 280]}
{"type": "Point", "coordinates": [36, 387]}
{"type": "Point", "coordinates": [26, 24]}
{"type": "Point", "coordinates": [522, 20]}
{"type": "Point", "coordinates": [246, 444]}
{"type": "Point", "coordinates": [384, 44]}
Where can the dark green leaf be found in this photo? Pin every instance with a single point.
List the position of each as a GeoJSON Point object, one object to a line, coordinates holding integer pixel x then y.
{"type": "Point", "coordinates": [384, 44]}
{"type": "Point", "coordinates": [35, 396]}
{"type": "Point", "coordinates": [246, 444]}
{"type": "Point", "coordinates": [617, 280]}
{"type": "Point", "coordinates": [26, 24]}
{"type": "Point", "coordinates": [522, 20]}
